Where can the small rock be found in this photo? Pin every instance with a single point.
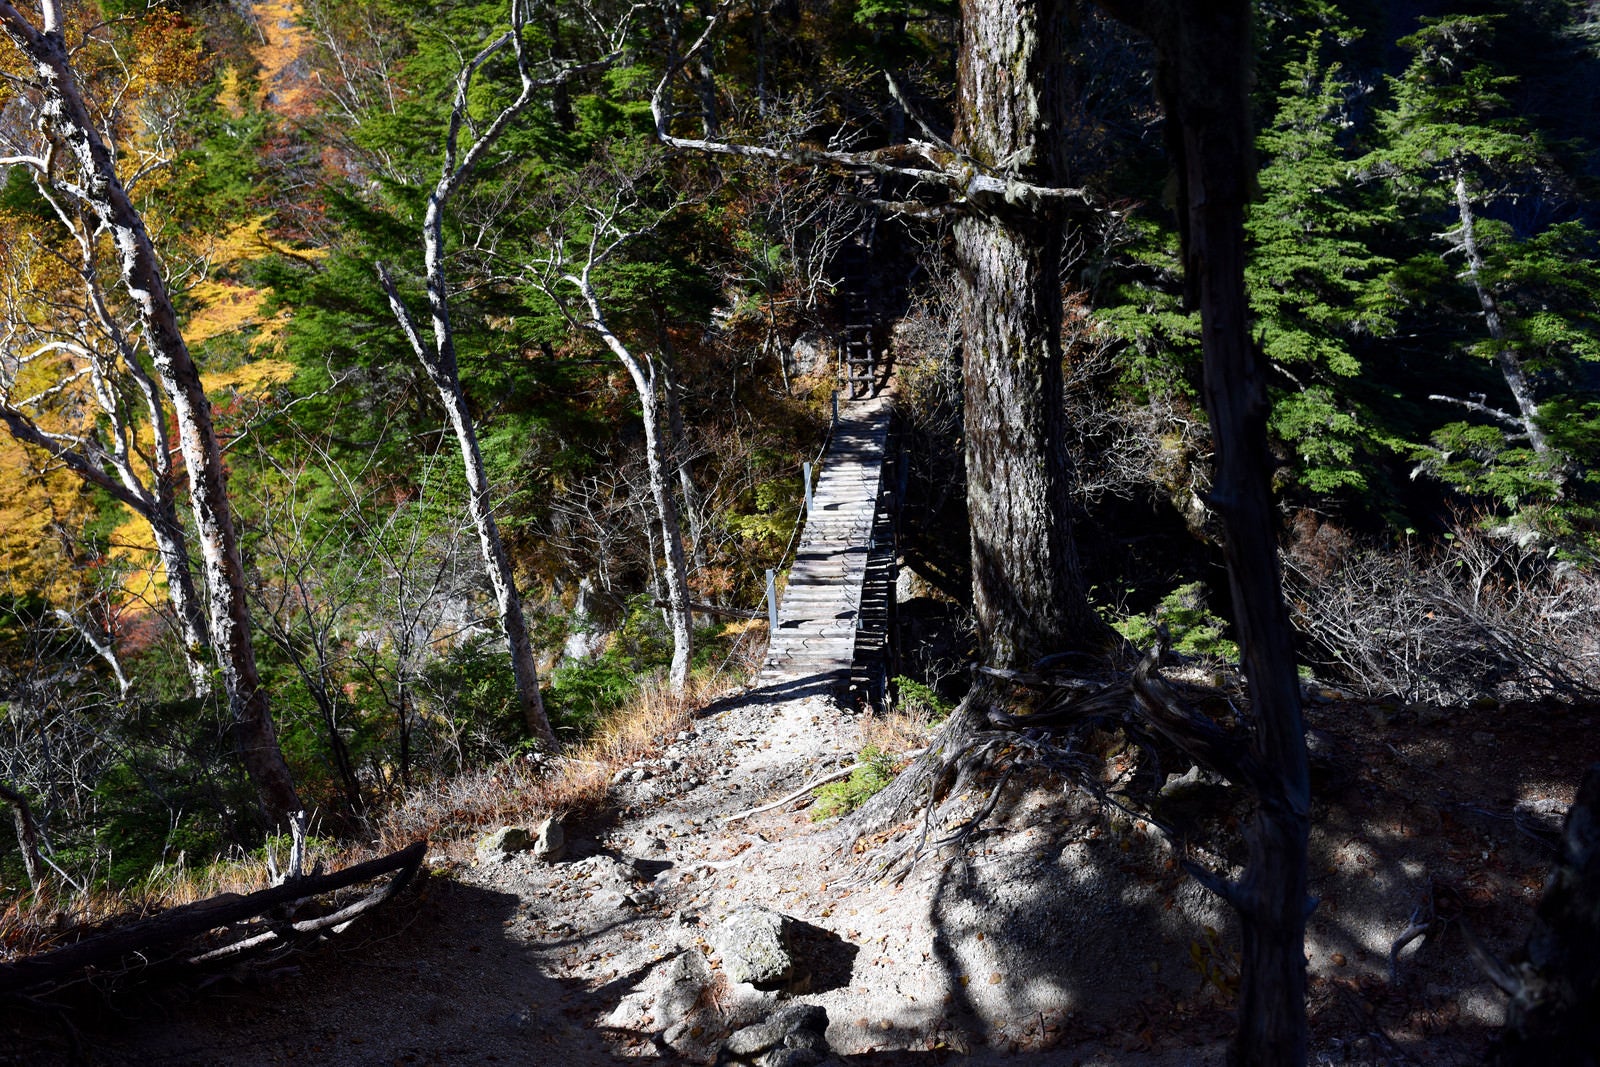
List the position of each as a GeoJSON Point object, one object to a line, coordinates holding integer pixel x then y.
{"type": "Point", "coordinates": [504, 841]}
{"type": "Point", "coordinates": [549, 841]}
{"type": "Point", "coordinates": [793, 1036]}
{"type": "Point", "coordinates": [754, 945]}
{"type": "Point", "coordinates": [1177, 784]}
{"type": "Point", "coordinates": [1482, 737]}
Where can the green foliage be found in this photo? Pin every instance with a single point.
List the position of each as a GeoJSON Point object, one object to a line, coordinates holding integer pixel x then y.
{"type": "Point", "coordinates": [1452, 150]}
{"type": "Point", "coordinates": [472, 686]}
{"type": "Point", "coordinates": [582, 693]}
{"type": "Point", "coordinates": [1193, 629]}
{"type": "Point", "coordinates": [865, 782]}
{"type": "Point", "coordinates": [774, 509]}
{"type": "Point", "coordinates": [1312, 277]}
{"type": "Point", "coordinates": [1144, 308]}
{"type": "Point", "coordinates": [914, 698]}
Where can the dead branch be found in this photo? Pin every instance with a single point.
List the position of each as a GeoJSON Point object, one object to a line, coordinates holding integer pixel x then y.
{"type": "Point", "coordinates": [194, 919]}
{"type": "Point", "coordinates": [970, 183]}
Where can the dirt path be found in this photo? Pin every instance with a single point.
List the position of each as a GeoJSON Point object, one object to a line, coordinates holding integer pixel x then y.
{"type": "Point", "coordinates": [1064, 931]}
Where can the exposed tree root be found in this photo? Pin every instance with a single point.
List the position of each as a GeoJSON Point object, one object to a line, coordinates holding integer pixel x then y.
{"type": "Point", "coordinates": [1071, 717]}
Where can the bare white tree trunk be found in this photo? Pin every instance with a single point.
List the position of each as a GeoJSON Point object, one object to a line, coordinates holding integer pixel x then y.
{"type": "Point", "coordinates": [440, 363]}
{"type": "Point", "coordinates": [1511, 368]}
{"type": "Point", "coordinates": [646, 381]}
{"type": "Point", "coordinates": [439, 358]}
{"type": "Point", "coordinates": [66, 115]}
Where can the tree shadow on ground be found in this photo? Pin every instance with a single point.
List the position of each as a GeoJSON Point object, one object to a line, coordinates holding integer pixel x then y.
{"type": "Point", "coordinates": [433, 978]}
{"type": "Point", "coordinates": [1066, 919]}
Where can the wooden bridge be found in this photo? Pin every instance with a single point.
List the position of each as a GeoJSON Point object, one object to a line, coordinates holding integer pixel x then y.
{"type": "Point", "coordinates": [833, 622]}
{"type": "Point", "coordinates": [835, 614]}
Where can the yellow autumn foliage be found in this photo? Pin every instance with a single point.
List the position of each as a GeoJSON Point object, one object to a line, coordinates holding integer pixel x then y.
{"type": "Point", "coordinates": [250, 379]}
{"type": "Point", "coordinates": [37, 509]}
{"type": "Point", "coordinates": [222, 306]}
{"type": "Point", "coordinates": [133, 549]}
{"type": "Point", "coordinates": [285, 41]}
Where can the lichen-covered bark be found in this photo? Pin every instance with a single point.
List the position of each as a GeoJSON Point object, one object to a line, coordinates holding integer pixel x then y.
{"type": "Point", "coordinates": [1028, 593]}
{"type": "Point", "coordinates": [67, 116]}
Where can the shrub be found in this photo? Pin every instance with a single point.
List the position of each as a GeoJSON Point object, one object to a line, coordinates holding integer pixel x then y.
{"type": "Point", "coordinates": [841, 798]}
{"type": "Point", "coordinates": [1193, 629]}
{"type": "Point", "coordinates": [1485, 614]}
{"type": "Point", "coordinates": [916, 700]}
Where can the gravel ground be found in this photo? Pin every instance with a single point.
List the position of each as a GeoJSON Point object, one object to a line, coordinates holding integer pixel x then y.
{"type": "Point", "coordinates": [1059, 930]}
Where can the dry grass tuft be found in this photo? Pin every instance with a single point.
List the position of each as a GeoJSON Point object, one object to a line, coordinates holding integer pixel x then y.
{"type": "Point", "coordinates": [532, 787]}
{"type": "Point", "coordinates": [898, 730]}
{"type": "Point", "coordinates": [444, 811]}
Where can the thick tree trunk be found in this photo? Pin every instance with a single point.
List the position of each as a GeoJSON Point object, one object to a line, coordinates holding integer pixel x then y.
{"type": "Point", "coordinates": [1205, 59]}
{"type": "Point", "coordinates": [1028, 594]}
{"type": "Point", "coordinates": [1027, 590]}
{"type": "Point", "coordinates": [66, 114]}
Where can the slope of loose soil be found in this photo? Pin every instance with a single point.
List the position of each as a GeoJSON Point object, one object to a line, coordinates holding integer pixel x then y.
{"type": "Point", "coordinates": [1059, 929]}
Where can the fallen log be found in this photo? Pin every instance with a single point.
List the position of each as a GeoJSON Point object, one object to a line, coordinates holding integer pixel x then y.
{"type": "Point", "coordinates": [191, 920]}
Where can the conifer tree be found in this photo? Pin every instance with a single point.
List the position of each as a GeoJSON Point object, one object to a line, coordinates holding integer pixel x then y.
{"type": "Point", "coordinates": [1466, 172]}
{"type": "Point", "coordinates": [1311, 274]}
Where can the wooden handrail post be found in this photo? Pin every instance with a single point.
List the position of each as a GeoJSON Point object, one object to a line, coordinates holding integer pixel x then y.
{"type": "Point", "coordinates": [772, 600]}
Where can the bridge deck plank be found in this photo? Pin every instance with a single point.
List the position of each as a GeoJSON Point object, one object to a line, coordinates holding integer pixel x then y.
{"type": "Point", "coordinates": [819, 610]}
